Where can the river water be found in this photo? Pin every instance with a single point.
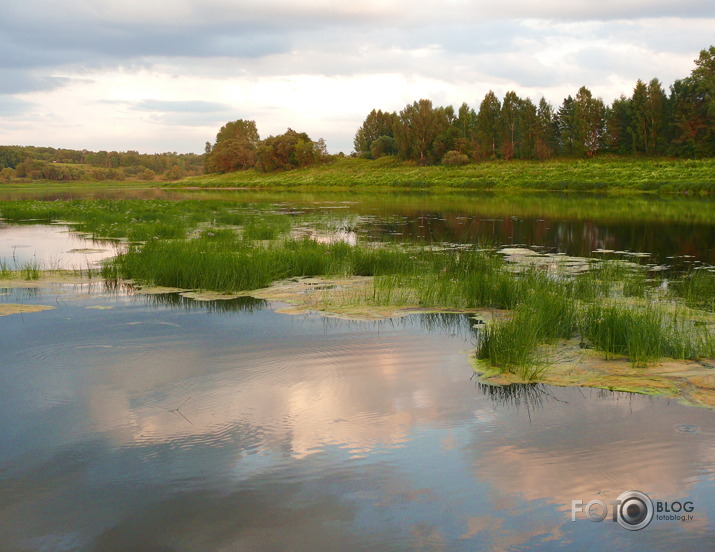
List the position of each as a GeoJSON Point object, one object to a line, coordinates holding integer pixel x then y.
{"type": "Point", "coordinates": [143, 423]}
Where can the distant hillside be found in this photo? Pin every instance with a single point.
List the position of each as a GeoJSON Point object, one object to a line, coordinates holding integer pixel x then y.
{"type": "Point", "coordinates": [43, 163]}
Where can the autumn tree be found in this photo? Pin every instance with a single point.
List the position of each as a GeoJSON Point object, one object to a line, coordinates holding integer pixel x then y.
{"type": "Point", "coordinates": [234, 149]}
{"type": "Point", "coordinates": [692, 105]}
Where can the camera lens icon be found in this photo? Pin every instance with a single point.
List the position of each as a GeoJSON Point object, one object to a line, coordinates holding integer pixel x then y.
{"type": "Point", "coordinates": [635, 510]}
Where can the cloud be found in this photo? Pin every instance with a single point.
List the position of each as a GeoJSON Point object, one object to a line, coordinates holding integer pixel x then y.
{"type": "Point", "coordinates": [12, 107]}
{"type": "Point", "coordinates": [191, 106]}
{"type": "Point", "coordinates": [324, 64]}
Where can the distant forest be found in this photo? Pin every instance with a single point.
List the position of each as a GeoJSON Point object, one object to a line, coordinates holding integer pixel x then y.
{"type": "Point", "coordinates": [650, 122]}
{"type": "Point", "coordinates": [43, 163]}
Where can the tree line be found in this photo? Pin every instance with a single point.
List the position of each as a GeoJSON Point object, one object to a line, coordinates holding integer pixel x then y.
{"type": "Point", "coordinates": [45, 163]}
{"type": "Point", "coordinates": [649, 122]}
{"type": "Point", "coordinates": [238, 146]}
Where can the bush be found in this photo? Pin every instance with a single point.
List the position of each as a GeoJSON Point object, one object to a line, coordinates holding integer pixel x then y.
{"type": "Point", "coordinates": [454, 159]}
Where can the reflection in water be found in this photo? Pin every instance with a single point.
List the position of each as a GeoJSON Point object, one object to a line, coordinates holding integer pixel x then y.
{"type": "Point", "coordinates": [515, 395]}
{"type": "Point", "coordinates": [176, 300]}
{"type": "Point", "coordinates": [163, 424]}
{"type": "Point", "coordinates": [50, 247]}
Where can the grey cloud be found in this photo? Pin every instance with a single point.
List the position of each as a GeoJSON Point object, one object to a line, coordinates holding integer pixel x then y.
{"type": "Point", "coordinates": [13, 107]}
{"type": "Point", "coordinates": [15, 81]}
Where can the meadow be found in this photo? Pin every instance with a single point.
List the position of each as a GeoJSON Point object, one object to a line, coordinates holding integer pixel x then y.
{"type": "Point", "coordinates": [600, 174]}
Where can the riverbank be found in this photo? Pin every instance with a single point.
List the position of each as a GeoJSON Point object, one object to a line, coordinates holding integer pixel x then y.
{"type": "Point", "coordinates": [599, 175]}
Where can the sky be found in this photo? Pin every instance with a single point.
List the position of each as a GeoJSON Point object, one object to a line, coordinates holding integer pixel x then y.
{"type": "Point", "coordinates": [165, 75]}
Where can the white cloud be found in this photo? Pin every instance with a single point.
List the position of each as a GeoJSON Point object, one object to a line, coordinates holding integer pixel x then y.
{"type": "Point", "coordinates": [165, 75]}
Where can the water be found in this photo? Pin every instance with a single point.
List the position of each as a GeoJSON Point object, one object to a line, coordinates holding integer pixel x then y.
{"type": "Point", "coordinates": [52, 246]}
{"type": "Point", "coordinates": [134, 422]}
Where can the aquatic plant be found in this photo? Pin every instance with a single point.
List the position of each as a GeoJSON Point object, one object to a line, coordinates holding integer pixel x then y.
{"type": "Point", "coordinates": [644, 333]}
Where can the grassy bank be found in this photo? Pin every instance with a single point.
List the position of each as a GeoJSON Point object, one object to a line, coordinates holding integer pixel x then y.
{"type": "Point", "coordinates": [600, 174]}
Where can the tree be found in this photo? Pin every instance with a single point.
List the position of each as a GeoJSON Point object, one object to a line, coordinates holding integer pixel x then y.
{"type": "Point", "coordinates": [692, 105]}
{"type": "Point", "coordinates": [376, 124]}
{"type": "Point", "coordinates": [589, 118]}
{"type": "Point", "coordinates": [567, 128]}
{"type": "Point", "coordinates": [234, 149]}
{"type": "Point", "coordinates": [618, 122]}
{"type": "Point", "coordinates": [546, 130]}
{"type": "Point", "coordinates": [488, 125]}
{"type": "Point", "coordinates": [288, 150]}
{"type": "Point", "coordinates": [509, 121]}
{"type": "Point", "coordinates": [416, 129]}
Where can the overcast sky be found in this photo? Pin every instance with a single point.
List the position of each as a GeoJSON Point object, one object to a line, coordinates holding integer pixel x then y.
{"type": "Point", "coordinates": [164, 75]}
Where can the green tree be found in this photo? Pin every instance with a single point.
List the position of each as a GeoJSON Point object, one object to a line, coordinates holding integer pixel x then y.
{"type": "Point", "coordinates": [589, 118]}
{"type": "Point", "coordinates": [416, 129]}
{"type": "Point", "coordinates": [619, 118]}
{"type": "Point", "coordinates": [567, 127]}
{"type": "Point", "coordinates": [489, 125]}
{"type": "Point", "coordinates": [378, 123]}
{"type": "Point", "coordinates": [287, 151]}
{"type": "Point", "coordinates": [509, 124]}
{"type": "Point", "coordinates": [546, 130]}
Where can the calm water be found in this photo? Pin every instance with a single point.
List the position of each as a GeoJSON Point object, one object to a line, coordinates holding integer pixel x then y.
{"type": "Point", "coordinates": [160, 423]}
{"type": "Point", "coordinates": [53, 246]}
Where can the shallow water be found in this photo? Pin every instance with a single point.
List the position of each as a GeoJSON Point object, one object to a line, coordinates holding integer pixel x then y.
{"type": "Point", "coordinates": [144, 423]}
{"type": "Point", "coordinates": [50, 246]}
{"type": "Point", "coordinates": [161, 423]}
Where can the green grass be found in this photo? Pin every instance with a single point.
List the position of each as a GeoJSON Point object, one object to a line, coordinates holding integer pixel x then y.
{"type": "Point", "coordinates": [30, 270]}
{"type": "Point", "coordinates": [697, 289]}
{"type": "Point", "coordinates": [5, 270]}
{"type": "Point", "coordinates": [644, 333]}
{"type": "Point", "coordinates": [600, 174]}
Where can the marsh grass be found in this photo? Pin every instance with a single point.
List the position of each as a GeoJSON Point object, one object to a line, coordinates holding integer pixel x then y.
{"type": "Point", "coordinates": [644, 333]}
{"type": "Point", "coordinates": [511, 344]}
{"type": "Point", "coordinates": [31, 270]}
{"type": "Point", "coordinates": [5, 270]}
{"type": "Point", "coordinates": [697, 288]}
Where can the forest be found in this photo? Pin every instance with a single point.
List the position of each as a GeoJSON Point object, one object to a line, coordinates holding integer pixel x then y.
{"type": "Point", "coordinates": [650, 122]}
{"type": "Point", "coordinates": [46, 163]}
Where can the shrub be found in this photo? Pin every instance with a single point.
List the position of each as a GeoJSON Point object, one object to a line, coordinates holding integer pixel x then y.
{"type": "Point", "coordinates": [454, 159]}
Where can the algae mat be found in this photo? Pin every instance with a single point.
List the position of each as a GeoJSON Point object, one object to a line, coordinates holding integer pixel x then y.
{"type": "Point", "coordinates": [7, 309]}
{"type": "Point", "coordinates": [566, 364]}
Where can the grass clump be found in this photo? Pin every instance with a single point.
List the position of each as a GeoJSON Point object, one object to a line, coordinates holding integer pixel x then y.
{"type": "Point", "coordinates": [511, 344]}
{"type": "Point", "coordinates": [697, 288]}
{"type": "Point", "coordinates": [30, 270]}
{"type": "Point", "coordinates": [5, 271]}
{"type": "Point", "coordinates": [644, 333]}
